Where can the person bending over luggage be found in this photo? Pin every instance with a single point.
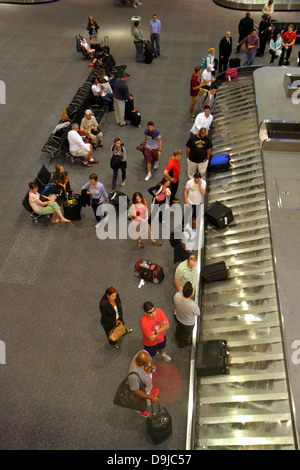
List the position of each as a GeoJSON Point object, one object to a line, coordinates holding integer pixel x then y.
{"type": "Point", "coordinates": [44, 207]}
{"type": "Point", "coordinates": [91, 126]}
{"type": "Point", "coordinates": [139, 211]}
{"type": "Point", "coordinates": [118, 161]}
{"type": "Point", "coordinates": [98, 195]}
{"type": "Point", "coordinates": [61, 179]}
{"type": "Point", "coordinates": [111, 313]}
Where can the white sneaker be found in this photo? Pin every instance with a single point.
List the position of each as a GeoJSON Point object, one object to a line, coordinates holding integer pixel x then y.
{"type": "Point", "coordinates": [155, 166]}
{"type": "Point", "coordinates": [148, 176]}
{"type": "Point", "coordinates": [164, 356]}
{"type": "Point", "coordinates": [123, 183]}
{"type": "Point", "coordinates": [98, 224]}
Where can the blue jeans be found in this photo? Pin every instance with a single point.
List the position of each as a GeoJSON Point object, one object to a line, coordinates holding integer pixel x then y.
{"type": "Point", "coordinates": [139, 54]}
{"type": "Point", "coordinates": [249, 58]}
{"type": "Point", "coordinates": [108, 98]}
{"type": "Point", "coordinates": [155, 38]}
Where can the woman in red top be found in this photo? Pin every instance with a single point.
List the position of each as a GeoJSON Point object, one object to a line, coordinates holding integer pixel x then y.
{"type": "Point", "coordinates": [173, 171]}
{"type": "Point", "coordinates": [288, 40]}
{"type": "Point", "coordinates": [139, 211]}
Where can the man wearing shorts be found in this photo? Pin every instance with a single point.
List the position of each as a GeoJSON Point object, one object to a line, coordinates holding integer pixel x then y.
{"type": "Point", "coordinates": [195, 89]}
{"type": "Point", "coordinates": [154, 324]}
{"type": "Point", "coordinates": [78, 148]}
{"type": "Point", "coordinates": [152, 148]}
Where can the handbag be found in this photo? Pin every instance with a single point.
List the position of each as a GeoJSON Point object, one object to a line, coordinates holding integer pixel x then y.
{"type": "Point", "coordinates": [96, 132]}
{"type": "Point", "coordinates": [126, 398]}
{"type": "Point", "coordinates": [116, 162]}
{"type": "Point", "coordinates": [117, 331]}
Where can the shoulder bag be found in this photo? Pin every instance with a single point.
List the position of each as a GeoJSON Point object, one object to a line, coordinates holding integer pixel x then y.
{"type": "Point", "coordinates": [126, 398]}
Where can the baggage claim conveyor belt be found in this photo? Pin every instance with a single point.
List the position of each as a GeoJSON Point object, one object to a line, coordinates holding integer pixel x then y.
{"type": "Point", "coordinates": [251, 406]}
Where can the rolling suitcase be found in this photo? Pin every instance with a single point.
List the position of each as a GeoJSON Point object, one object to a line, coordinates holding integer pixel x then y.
{"type": "Point", "coordinates": [212, 357]}
{"type": "Point", "coordinates": [234, 62]}
{"type": "Point", "coordinates": [220, 162]}
{"type": "Point", "coordinates": [72, 209]}
{"type": "Point", "coordinates": [215, 272]}
{"type": "Point", "coordinates": [159, 424]}
{"type": "Point", "coordinates": [129, 107]}
{"type": "Point", "coordinates": [219, 215]}
{"type": "Point", "coordinates": [149, 271]}
{"type": "Point", "coordinates": [135, 118]}
{"type": "Point", "coordinates": [149, 52]}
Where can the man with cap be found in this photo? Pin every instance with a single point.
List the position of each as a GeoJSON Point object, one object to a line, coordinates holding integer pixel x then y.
{"type": "Point", "coordinates": [207, 77]}
{"type": "Point", "coordinates": [194, 192]}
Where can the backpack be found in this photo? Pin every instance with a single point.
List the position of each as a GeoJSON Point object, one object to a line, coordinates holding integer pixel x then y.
{"type": "Point", "coordinates": [204, 62]}
{"type": "Point", "coordinates": [78, 45]}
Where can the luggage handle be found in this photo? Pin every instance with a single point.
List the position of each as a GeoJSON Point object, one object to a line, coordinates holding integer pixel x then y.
{"type": "Point", "coordinates": [152, 408]}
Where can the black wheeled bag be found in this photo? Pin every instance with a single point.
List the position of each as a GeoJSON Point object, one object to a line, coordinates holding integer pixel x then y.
{"type": "Point", "coordinates": [72, 209]}
{"type": "Point", "coordinates": [149, 52]}
{"type": "Point", "coordinates": [212, 357]}
{"type": "Point", "coordinates": [149, 271]}
{"type": "Point", "coordinates": [135, 118]}
{"type": "Point", "coordinates": [215, 272]}
{"type": "Point", "coordinates": [234, 62]}
{"type": "Point", "coordinates": [159, 424]}
{"type": "Point", "coordinates": [219, 215]}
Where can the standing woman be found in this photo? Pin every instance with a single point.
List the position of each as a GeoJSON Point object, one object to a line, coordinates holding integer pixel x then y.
{"type": "Point", "coordinates": [97, 193]}
{"type": "Point", "coordinates": [268, 9]}
{"type": "Point", "coordinates": [139, 211]}
{"type": "Point", "coordinates": [111, 313]}
{"type": "Point", "coordinates": [161, 195]}
{"type": "Point", "coordinates": [118, 161]}
{"type": "Point", "coordinates": [92, 28]}
{"type": "Point", "coordinates": [275, 46]}
{"type": "Point", "coordinates": [61, 179]}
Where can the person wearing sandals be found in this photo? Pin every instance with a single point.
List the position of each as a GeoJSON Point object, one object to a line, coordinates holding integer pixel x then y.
{"type": "Point", "coordinates": [111, 313]}
{"type": "Point", "coordinates": [161, 195]}
{"type": "Point", "coordinates": [91, 126]}
{"type": "Point", "coordinates": [61, 179]}
{"type": "Point", "coordinates": [44, 207]}
{"type": "Point", "coordinates": [139, 212]}
{"type": "Point", "coordinates": [118, 150]}
{"type": "Point", "coordinates": [92, 28]}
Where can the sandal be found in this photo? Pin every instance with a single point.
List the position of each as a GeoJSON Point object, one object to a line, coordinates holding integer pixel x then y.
{"type": "Point", "coordinates": [65, 220]}
{"type": "Point", "coordinates": [129, 330]}
{"type": "Point", "coordinates": [95, 147]}
{"type": "Point", "coordinates": [140, 245]}
{"type": "Point", "coordinates": [101, 145]}
{"type": "Point", "coordinates": [116, 346]}
{"type": "Point", "coordinates": [154, 242]}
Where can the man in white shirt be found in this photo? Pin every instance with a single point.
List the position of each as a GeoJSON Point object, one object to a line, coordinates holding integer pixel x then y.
{"type": "Point", "coordinates": [202, 120]}
{"type": "Point", "coordinates": [99, 92]}
{"type": "Point", "coordinates": [78, 148]}
{"type": "Point", "coordinates": [194, 192]}
{"type": "Point", "coordinates": [207, 77]}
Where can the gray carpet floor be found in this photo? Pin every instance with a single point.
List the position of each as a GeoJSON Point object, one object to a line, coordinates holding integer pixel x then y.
{"type": "Point", "coordinates": [61, 374]}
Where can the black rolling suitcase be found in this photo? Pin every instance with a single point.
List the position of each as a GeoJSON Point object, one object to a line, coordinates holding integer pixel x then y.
{"type": "Point", "coordinates": [159, 424]}
{"type": "Point", "coordinates": [219, 215]}
{"type": "Point", "coordinates": [215, 272]}
{"type": "Point", "coordinates": [72, 209]}
{"type": "Point", "coordinates": [234, 62]}
{"type": "Point", "coordinates": [135, 118]}
{"type": "Point", "coordinates": [129, 107]}
{"type": "Point", "coordinates": [212, 357]}
{"type": "Point", "coordinates": [149, 52]}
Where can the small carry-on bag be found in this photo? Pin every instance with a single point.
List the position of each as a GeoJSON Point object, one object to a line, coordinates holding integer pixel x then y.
{"type": "Point", "coordinates": [234, 62]}
{"type": "Point", "coordinates": [159, 424]}
{"type": "Point", "coordinates": [215, 272]}
{"type": "Point", "coordinates": [72, 209]}
{"type": "Point", "coordinates": [219, 215]}
{"type": "Point", "coordinates": [220, 162]}
{"type": "Point", "coordinates": [114, 198]}
{"type": "Point", "coordinates": [230, 74]}
{"type": "Point", "coordinates": [212, 357]}
{"type": "Point", "coordinates": [135, 118]}
{"type": "Point", "coordinates": [149, 271]}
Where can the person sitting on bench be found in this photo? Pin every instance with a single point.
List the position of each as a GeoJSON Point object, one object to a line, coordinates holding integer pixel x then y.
{"type": "Point", "coordinates": [99, 92]}
{"type": "Point", "coordinates": [44, 207]}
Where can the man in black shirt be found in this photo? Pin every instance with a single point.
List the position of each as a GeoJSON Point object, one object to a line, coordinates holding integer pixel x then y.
{"type": "Point", "coordinates": [198, 149]}
{"type": "Point", "coordinates": [246, 25]}
{"type": "Point", "coordinates": [120, 96]}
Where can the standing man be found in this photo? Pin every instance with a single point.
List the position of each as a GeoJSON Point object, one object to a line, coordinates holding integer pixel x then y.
{"type": "Point", "coordinates": [154, 324]}
{"type": "Point", "coordinates": [246, 25]}
{"type": "Point", "coordinates": [252, 44]}
{"type": "Point", "coordinates": [173, 171]}
{"type": "Point", "coordinates": [207, 77]}
{"type": "Point", "coordinates": [186, 271]}
{"type": "Point", "coordinates": [195, 89]}
{"type": "Point", "coordinates": [152, 148]}
{"type": "Point", "coordinates": [120, 96]}
{"type": "Point", "coordinates": [202, 120]}
{"type": "Point", "coordinates": [185, 311]}
{"type": "Point", "coordinates": [155, 27]}
{"type": "Point", "coordinates": [194, 192]}
{"type": "Point", "coordinates": [264, 31]}
{"type": "Point", "coordinates": [288, 40]}
{"type": "Point", "coordinates": [225, 49]}
{"type": "Point", "coordinates": [138, 39]}
{"type": "Point", "coordinates": [198, 149]}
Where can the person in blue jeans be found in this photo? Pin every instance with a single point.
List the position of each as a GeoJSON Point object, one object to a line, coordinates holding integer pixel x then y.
{"type": "Point", "coordinates": [155, 27]}
{"type": "Point", "coordinates": [138, 42]}
{"type": "Point", "coordinates": [118, 150]}
{"type": "Point", "coordinates": [252, 44]}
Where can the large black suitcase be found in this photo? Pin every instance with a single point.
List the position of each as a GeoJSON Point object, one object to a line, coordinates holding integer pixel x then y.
{"type": "Point", "coordinates": [159, 424]}
{"type": "Point", "coordinates": [212, 357]}
{"type": "Point", "coordinates": [72, 210]}
{"type": "Point", "coordinates": [219, 215]}
{"type": "Point", "coordinates": [215, 272]}
{"type": "Point", "coordinates": [129, 107]}
{"type": "Point", "coordinates": [149, 52]}
{"type": "Point", "coordinates": [234, 62]}
{"type": "Point", "coordinates": [135, 118]}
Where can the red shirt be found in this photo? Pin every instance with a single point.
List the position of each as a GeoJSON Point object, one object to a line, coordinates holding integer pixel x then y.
{"type": "Point", "coordinates": [194, 82]}
{"type": "Point", "coordinates": [173, 168]}
{"type": "Point", "coordinates": [149, 325]}
{"type": "Point", "coordinates": [290, 37]}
